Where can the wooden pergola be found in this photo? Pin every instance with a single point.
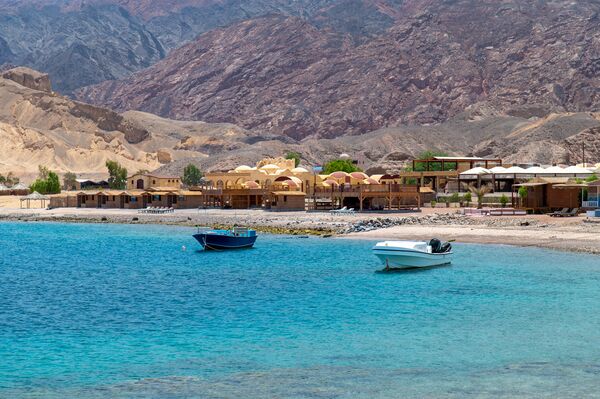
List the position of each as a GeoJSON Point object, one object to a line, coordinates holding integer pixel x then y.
{"type": "Point", "coordinates": [454, 163]}
{"type": "Point", "coordinates": [35, 196]}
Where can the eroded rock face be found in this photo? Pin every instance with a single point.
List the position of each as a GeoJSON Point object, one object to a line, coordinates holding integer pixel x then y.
{"type": "Point", "coordinates": [285, 76]}
{"type": "Point", "coordinates": [80, 42]}
{"type": "Point", "coordinates": [29, 78]}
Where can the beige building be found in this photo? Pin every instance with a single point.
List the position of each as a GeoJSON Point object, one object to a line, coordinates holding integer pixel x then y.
{"type": "Point", "coordinates": [148, 181]}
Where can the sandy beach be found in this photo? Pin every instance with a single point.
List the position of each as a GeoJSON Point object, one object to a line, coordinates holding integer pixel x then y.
{"type": "Point", "coordinates": [569, 234]}
{"type": "Point", "coordinates": [567, 237]}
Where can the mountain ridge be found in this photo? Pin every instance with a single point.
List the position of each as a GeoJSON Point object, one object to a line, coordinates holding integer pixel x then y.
{"type": "Point", "coordinates": [426, 69]}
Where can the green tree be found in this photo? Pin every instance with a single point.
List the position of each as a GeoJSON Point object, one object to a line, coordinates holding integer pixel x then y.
{"type": "Point", "coordinates": [503, 200]}
{"type": "Point", "coordinates": [431, 153]}
{"type": "Point", "coordinates": [340, 165]}
{"type": "Point", "coordinates": [48, 185]}
{"type": "Point", "coordinates": [70, 181]}
{"type": "Point", "coordinates": [191, 175]}
{"type": "Point", "coordinates": [480, 194]}
{"type": "Point", "coordinates": [52, 184]}
{"type": "Point", "coordinates": [117, 175]}
{"type": "Point", "coordinates": [296, 156]}
{"type": "Point", "coordinates": [38, 185]}
{"type": "Point", "coordinates": [522, 194]}
{"type": "Point", "coordinates": [435, 166]}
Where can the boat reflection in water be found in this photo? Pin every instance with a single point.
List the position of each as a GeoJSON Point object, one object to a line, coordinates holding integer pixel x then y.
{"type": "Point", "coordinates": [237, 238]}
{"type": "Point", "coordinates": [398, 255]}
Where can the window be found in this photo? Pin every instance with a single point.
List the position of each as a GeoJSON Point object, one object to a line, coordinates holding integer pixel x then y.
{"type": "Point", "coordinates": [285, 198]}
{"type": "Point", "coordinates": [153, 181]}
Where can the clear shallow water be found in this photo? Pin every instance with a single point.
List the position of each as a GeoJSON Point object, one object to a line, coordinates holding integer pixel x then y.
{"type": "Point", "coordinates": [121, 311]}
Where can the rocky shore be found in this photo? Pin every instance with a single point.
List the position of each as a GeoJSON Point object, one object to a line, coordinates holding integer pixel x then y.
{"type": "Point", "coordinates": [453, 219]}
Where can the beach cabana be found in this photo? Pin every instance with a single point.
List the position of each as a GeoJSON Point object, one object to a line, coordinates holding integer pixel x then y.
{"type": "Point", "coordinates": [550, 193]}
{"type": "Point", "coordinates": [4, 190]}
{"type": "Point", "coordinates": [34, 197]}
{"type": "Point", "coordinates": [287, 201]}
{"type": "Point", "coordinates": [20, 189]}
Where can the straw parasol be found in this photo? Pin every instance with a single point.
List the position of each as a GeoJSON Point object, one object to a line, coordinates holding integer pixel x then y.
{"type": "Point", "coordinates": [35, 196]}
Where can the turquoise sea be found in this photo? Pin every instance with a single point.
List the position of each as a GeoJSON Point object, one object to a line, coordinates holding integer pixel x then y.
{"type": "Point", "coordinates": [117, 311]}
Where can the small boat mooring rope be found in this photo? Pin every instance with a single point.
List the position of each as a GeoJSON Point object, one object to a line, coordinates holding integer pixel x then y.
{"type": "Point", "coordinates": [208, 246]}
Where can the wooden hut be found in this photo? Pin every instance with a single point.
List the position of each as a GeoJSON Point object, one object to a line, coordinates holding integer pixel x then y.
{"type": "Point", "coordinates": [20, 189]}
{"type": "Point", "coordinates": [66, 199]}
{"type": "Point", "coordinates": [4, 190]}
{"type": "Point", "coordinates": [287, 201]}
{"type": "Point", "coordinates": [548, 194]}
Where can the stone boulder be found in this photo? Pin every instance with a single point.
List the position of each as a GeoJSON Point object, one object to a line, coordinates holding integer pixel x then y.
{"type": "Point", "coordinates": [29, 78]}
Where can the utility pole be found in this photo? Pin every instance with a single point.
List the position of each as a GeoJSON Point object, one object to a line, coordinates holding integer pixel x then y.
{"type": "Point", "coordinates": [583, 153]}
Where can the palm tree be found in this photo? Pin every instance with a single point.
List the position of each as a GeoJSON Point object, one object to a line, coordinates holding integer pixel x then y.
{"type": "Point", "coordinates": [479, 193]}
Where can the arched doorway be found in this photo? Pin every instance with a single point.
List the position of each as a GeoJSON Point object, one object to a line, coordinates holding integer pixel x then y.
{"type": "Point", "coordinates": [140, 184]}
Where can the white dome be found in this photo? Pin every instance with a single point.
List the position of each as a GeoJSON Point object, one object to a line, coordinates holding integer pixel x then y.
{"type": "Point", "coordinates": [344, 156]}
{"type": "Point", "coordinates": [269, 166]}
{"type": "Point", "coordinates": [299, 170]}
{"type": "Point", "coordinates": [242, 168]}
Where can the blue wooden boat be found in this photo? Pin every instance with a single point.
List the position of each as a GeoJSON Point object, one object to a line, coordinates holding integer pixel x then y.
{"type": "Point", "coordinates": [237, 238]}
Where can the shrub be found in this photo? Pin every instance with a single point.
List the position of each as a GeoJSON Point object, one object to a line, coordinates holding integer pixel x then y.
{"type": "Point", "coordinates": [468, 198]}
{"type": "Point", "coordinates": [433, 203]}
{"type": "Point", "coordinates": [592, 178]}
{"type": "Point", "coordinates": [503, 200]}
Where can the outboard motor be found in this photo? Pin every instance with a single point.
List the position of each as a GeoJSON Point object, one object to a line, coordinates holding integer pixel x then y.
{"type": "Point", "coordinates": [436, 245]}
{"type": "Point", "coordinates": [446, 247]}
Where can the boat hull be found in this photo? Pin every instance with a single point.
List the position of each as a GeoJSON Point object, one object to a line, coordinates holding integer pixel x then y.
{"type": "Point", "coordinates": [221, 242]}
{"type": "Point", "coordinates": [409, 259]}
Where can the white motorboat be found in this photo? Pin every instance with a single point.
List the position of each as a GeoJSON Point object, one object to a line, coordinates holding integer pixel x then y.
{"type": "Point", "coordinates": [413, 254]}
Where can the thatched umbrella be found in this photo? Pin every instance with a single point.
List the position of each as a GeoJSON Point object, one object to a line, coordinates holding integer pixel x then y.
{"type": "Point", "coordinates": [35, 196]}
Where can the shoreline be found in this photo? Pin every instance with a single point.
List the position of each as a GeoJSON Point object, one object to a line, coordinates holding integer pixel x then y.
{"type": "Point", "coordinates": [542, 231]}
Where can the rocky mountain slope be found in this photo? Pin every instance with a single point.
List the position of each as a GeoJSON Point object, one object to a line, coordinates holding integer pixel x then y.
{"type": "Point", "coordinates": [285, 76]}
{"type": "Point", "coordinates": [39, 127]}
{"type": "Point", "coordinates": [85, 42]}
{"type": "Point", "coordinates": [89, 45]}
